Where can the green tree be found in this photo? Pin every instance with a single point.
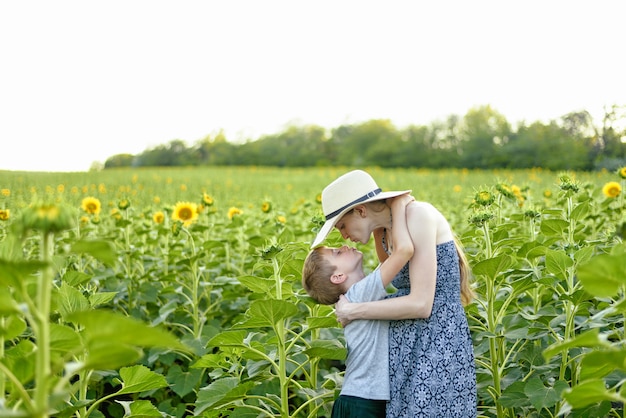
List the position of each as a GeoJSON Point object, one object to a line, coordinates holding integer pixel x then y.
{"type": "Point", "coordinates": [483, 131]}
{"type": "Point", "coordinates": [119, 160]}
{"type": "Point", "coordinates": [215, 150]}
{"type": "Point", "coordinates": [371, 142]}
{"type": "Point", "coordinates": [175, 153]}
{"type": "Point", "coordinates": [545, 145]}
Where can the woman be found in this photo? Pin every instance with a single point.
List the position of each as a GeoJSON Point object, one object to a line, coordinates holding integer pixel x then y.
{"type": "Point", "coordinates": [431, 358]}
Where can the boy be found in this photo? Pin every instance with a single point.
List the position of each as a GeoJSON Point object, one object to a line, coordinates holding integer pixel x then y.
{"type": "Point", "coordinates": [331, 272]}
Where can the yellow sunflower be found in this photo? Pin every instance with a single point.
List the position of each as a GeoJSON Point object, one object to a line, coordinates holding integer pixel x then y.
{"type": "Point", "coordinates": [612, 189]}
{"type": "Point", "coordinates": [233, 211]}
{"type": "Point", "coordinates": [91, 205]}
{"type": "Point", "coordinates": [5, 192]}
{"type": "Point", "coordinates": [622, 172]}
{"type": "Point", "coordinates": [266, 206]}
{"type": "Point", "coordinates": [158, 217]}
{"type": "Point", "coordinates": [281, 219]}
{"type": "Point", "coordinates": [186, 212]}
{"type": "Point", "coordinates": [484, 198]}
{"type": "Point", "coordinates": [207, 199]}
{"type": "Point", "coordinates": [123, 204]}
{"type": "Point", "coordinates": [5, 214]}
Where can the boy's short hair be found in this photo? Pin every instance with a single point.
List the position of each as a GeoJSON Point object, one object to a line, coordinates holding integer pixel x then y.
{"type": "Point", "coordinates": [316, 278]}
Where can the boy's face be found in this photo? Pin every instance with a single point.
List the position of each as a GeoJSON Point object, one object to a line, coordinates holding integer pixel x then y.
{"type": "Point", "coordinates": [345, 259]}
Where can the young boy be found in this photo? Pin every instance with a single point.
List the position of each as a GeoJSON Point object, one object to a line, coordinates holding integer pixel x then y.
{"type": "Point", "coordinates": [331, 272]}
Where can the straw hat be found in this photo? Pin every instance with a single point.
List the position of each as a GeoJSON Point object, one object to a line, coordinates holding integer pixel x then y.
{"type": "Point", "coordinates": [346, 192]}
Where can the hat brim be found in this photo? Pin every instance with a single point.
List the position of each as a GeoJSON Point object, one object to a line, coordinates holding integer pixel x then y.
{"type": "Point", "coordinates": [330, 223]}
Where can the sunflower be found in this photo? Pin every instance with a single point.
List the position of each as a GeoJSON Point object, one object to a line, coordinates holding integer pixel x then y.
{"type": "Point", "coordinates": [281, 219]}
{"type": "Point", "coordinates": [91, 205]}
{"type": "Point", "coordinates": [5, 214]}
{"type": "Point", "coordinates": [612, 189]}
{"type": "Point", "coordinates": [158, 217]}
{"type": "Point", "coordinates": [5, 192]}
{"type": "Point", "coordinates": [233, 211]}
{"type": "Point", "coordinates": [266, 207]}
{"type": "Point", "coordinates": [547, 193]}
{"type": "Point", "coordinates": [115, 214]}
{"type": "Point", "coordinates": [484, 198]}
{"type": "Point", "coordinates": [505, 190]}
{"type": "Point", "coordinates": [186, 212]}
{"type": "Point", "coordinates": [123, 204]}
{"type": "Point", "coordinates": [622, 172]}
{"type": "Point", "coordinates": [207, 200]}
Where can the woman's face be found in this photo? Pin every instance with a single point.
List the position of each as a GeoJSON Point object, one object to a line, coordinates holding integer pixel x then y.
{"type": "Point", "coordinates": [354, 226]}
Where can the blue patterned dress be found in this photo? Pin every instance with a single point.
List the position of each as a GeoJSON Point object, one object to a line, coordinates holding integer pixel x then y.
{"type": "Point", "coordinates": [431, 361]}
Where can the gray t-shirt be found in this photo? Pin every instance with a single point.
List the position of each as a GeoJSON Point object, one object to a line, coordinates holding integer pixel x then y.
{"type": "Point", "coordinates": [367, 364]}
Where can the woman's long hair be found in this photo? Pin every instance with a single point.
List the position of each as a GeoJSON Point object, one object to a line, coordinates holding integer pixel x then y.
{"type": "Point", "coordinates": [467, 294]}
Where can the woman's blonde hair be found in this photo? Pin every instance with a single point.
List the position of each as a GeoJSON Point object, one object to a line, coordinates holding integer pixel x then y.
{"type": "Point", "coordinates": [467, 294]}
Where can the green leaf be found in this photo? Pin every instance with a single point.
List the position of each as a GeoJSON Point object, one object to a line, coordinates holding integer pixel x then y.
{"type": "Point", "coordinates": [540, 395]}
{"type": "Point", "coordinates": [554, 227]}
{"type": "Point", "coordinates": [327, 349]}
{"type": "Point", "coordinates": [99, 249]}
{"type": "Point", "coordinates": [604, 275]}
{"type": "Point", "coordinates": [12, 327]}
{"type": "Point", "coordinates": [140, 379]}
{"type": "Point", "coordinates": [228, 339]}
{"type": "Point", "coordinates": [8, 306]}
{"type": "Point", "coordinates": [591, 338]}
{"type": "Point", "coordinates": [220, 392]}
{"type": "Point", "coordinates": [257, 284]}
{"type": "Point", "coordinates": [580, 211]}
{"type": "Point", "coordinates": [599, 363]}
{"type": "Point", "coordinates": [557, 263]}
{"type": "Point", "coordinates": [315, 322]}
{"type": "Point", "coordinates": [101, 298]}
{"type": "Point", "coordinates": [589, 392]}
{"type": "Point", "coordinates": [267, 312]}
{"type": "Point", "coordinates": [74, 278]}
{"type": "Point", "coordinates": [13, 273]}
{"type": "Point", "coordinates": [139, 409]}
{"type": "Point", "coordinates": [492, 267]}
{"type": "Point", "coordinates": [110, 354]}
{"type": "Point", "coordinates": [183, 382]}
{"type": "Point", "coordinates": [70, 300]}
{"type": "Point", "coordinates": [106, 326]}
{"type": "Point", "coordinates": [514, 396]}
{"type": "Point", "coordinates": [64, 339]}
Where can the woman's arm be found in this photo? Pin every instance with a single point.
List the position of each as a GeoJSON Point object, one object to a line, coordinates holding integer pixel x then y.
{"type": "Point", "coordinates": [422, 220]}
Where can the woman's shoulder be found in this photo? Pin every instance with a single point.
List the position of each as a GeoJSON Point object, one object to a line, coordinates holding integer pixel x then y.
{"type": "Point", "coordinates": [425, 213]}
{"type": "Point", "coordinates": [423, 208]}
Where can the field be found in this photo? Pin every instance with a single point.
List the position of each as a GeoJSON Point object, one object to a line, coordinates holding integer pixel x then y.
{"type": "Point", "coordinates": [176, 292]}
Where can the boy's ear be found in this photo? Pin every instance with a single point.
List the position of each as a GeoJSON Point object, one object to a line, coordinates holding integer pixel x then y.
{"type": "Point", "coordinates": [338, 278]}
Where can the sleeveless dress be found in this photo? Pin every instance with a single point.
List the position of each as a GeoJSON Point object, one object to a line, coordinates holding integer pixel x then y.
{"type": "Point", "coordinates": [431, 361]}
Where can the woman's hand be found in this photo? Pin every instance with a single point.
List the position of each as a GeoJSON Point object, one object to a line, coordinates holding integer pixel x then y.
{"type": "Point", "coordinates": [342, 310]}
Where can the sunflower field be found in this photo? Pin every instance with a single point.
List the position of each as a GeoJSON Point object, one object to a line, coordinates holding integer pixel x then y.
{"type": "Point", "coordinates": [176, 292]}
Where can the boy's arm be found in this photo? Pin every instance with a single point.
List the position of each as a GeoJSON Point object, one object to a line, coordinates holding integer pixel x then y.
{"type": "Point", "coordinates": [402, 244]}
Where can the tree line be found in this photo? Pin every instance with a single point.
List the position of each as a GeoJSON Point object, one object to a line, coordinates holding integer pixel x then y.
{"type": "Point", "coordinates": [482, 138]}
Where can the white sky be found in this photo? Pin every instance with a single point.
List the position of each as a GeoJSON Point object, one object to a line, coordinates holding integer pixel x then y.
{"type": "Point", "coordinates": [82, 80]}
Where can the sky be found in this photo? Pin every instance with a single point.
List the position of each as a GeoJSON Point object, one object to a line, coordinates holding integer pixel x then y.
{"type": "Point", "coordinates": [81, 81]}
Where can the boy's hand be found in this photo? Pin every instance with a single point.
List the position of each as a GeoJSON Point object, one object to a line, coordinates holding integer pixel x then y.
{"type": "Point", "coordinates": [342, 309]}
